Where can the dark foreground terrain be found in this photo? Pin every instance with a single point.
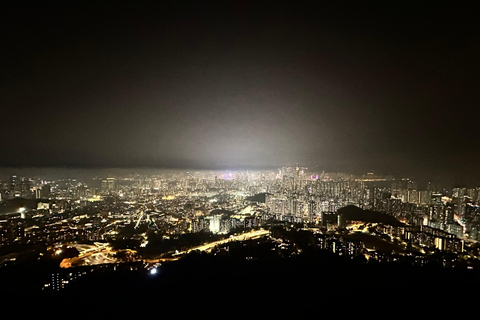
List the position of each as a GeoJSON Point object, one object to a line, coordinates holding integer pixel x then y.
{"type": "Point", "coordinates": [312, 280]}
{"type": "Point", "coordinates": [206, 283]}
{"type": "Point", "coordinates": [253, 275]}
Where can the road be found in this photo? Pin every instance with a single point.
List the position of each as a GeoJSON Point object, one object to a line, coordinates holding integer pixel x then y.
{"type": "Point", "coordinates": [209, 246]}
{"type": "Point", "coordinates": [101, 253]}
{"type": "Point", "coordinates": [244, 236]}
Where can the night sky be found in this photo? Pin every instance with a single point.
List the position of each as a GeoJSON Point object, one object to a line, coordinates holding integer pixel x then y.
{"type": "Point", "coordinates": [358, 86]}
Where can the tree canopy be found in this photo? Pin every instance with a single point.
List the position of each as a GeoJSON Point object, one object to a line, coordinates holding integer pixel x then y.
{"type": "Point", "coordinates": [354, 213]}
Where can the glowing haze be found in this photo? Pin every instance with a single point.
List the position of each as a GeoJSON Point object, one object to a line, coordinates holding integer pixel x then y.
{"type": "Point", "coordinates": [242, 85]}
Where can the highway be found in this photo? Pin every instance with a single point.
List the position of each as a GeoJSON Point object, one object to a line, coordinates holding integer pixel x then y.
{"type": "Point", "coordinates": [209, 246]}
{"type": "Point", "coordinates": [101, 253]}
{"type": "Point", "coordinates": [244, 236]}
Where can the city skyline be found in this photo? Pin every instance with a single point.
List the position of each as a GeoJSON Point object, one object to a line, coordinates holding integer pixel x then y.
{"type": "Point", "coordinates": [75, 234]}
{"type": "Point", "coordinates": [243, 85]}
{"type": "Point", "coordinates": [86, 174]}
{"type": "Point", "coordinates": [281, 154]}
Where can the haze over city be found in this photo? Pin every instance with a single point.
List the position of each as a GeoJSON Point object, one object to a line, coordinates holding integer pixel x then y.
{"type": "Point", "coordinates": [239, 148]}
{"type": "Point", "coordinates": [357, 87]}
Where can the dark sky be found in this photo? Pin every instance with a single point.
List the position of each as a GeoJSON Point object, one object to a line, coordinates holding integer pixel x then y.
{"type": "Point", "coordinates": [358, 86]}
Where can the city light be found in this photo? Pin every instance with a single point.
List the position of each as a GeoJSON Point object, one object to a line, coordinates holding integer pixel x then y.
{"type": "Point", "coordinates": [345, 215]}
{"type": "Point", "coordinates": [195, 149]}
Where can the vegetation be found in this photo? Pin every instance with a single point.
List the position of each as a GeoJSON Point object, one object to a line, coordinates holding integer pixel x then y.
{"type": "Point", "coordinates": [354, 213]}
{"type": "Point", "coordinates": [303, 239]}
{"type": "Point", "coordinates": [158, 245]}
{"type": "Point", "coordinates": [259, 197]}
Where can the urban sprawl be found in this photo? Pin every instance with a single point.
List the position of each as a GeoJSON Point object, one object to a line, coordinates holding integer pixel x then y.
{"type": "Point", "coordinates": [144, 220]}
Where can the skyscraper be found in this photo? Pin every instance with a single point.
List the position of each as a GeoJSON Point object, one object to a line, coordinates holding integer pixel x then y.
{"type": "Point", "coordinates": [46, 193]}
{"type": "Point", "coordinates": [15, 189]}
{"type": "Point", "coordinates": [108, 185]}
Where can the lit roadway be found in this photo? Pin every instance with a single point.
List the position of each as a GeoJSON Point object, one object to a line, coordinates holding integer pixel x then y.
{"type": "Point", "coordinates": [209, 246]}
{"type": "Point", "coordinates": [244, 236]}
{"type": "Point", "coordinates": [100, 252]}
{"type": "Point", "coordinates": [90, 254]}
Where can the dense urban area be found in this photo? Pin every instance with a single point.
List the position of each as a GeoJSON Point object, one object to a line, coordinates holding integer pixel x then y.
{"type": "Point", "coordinates": [66, 232]}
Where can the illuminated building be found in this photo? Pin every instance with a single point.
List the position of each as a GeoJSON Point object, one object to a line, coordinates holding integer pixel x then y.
{"type": "Point", "coordinates": [250, 222]}
{"type": "Point", "coordinates": [200, 224]}
{"type": "Point", "coordinates": [15, 188]}
{"type": "Point", "coordinates": [37, 193]}
{"type": "Point", "coordinates": [341, 221]}
{"type": "Point", "coordinates": [108, 185]}
{"type": "Point", "coordinates": [214, 225]}
{"type": "Point", "coordinates": [293, 205]}
{"type": "Point", "coordinates": [353, 248]}
{"type": "Point", "coordinates": [46, 191]}
{"type": "Point", "coordinates": [311, 210]}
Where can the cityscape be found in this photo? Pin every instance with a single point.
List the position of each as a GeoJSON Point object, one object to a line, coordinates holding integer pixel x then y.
{"type": "Point", "coordinates": [76, 229]}
{"type": "Point", "coordinates": [222, 156]}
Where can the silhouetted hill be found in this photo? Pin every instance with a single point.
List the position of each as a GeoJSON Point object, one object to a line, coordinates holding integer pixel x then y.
{"type": "Point", "coordinates": [13, 205]}
{"type": "Point", "coordinates": [354, 213]}
{"type": "Point", "coordinates": [259, 197]}
{"type": "Point", "coordinates": [204, 279]}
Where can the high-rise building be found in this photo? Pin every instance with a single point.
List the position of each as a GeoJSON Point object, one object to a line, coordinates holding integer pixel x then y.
{"type": "Point", "coordinates": [215, 223]}
{"type": "Point", "coordinates": [341, 221]}
{"type": "Point", "coordinates": [311, 210]}
{"type": "Point", "coordinates": [25, 186]}
{"type": "Point", "coordinates": [293, 205]}
{"type": "Point", "coordinates": [37, 192]}
{"type": "Point", "coordinates": [200, 224]}
{"type": "Point", "coordinates": [108, 185]}
{"type": "Point", "coordinates": [425, 197]}
{"type": "Point", "coordinates": [46, 191]}
{"type": "Point", "coordinates": [15, 189]}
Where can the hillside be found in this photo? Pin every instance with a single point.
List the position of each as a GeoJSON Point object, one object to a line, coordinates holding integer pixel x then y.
{"type": "Point", "coordinates": [354, 213]}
